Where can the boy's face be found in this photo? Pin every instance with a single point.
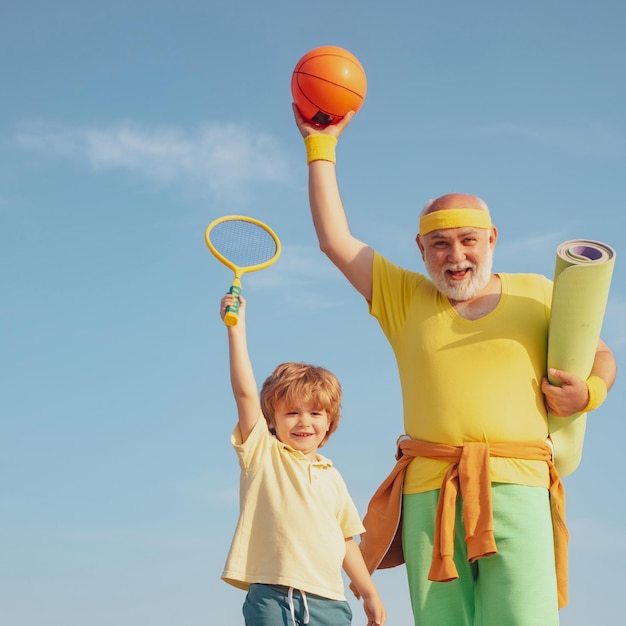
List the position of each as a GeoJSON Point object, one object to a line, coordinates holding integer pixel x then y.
{"type": "Point", "coordinates": [301, 426]}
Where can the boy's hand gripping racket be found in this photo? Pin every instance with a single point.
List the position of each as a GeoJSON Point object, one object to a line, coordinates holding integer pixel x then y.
{"type": "Point", "coordinates": [244, 245]}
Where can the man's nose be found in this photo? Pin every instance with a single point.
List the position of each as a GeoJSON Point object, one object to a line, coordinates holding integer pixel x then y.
{"type": "Point", "coordinates": [456, 254]}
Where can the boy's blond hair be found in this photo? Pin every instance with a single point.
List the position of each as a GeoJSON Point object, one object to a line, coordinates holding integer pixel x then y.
{"type": "Point", "coordinates": [303, 383]}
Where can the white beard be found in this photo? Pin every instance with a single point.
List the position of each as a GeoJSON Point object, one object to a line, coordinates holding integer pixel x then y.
{"type": "Point", "coordinates": [470, 287]}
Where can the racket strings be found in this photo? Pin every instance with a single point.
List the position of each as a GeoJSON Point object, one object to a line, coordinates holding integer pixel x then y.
{"type": "Point", "coordinates": [243, 243]}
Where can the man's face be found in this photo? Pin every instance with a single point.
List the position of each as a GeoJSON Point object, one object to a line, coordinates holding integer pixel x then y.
{"type": "Point", "coordinates": [459, 260]}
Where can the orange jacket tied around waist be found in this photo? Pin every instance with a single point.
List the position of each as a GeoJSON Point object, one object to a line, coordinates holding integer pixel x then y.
{"type": "Point", "coordinates": [468, 475]}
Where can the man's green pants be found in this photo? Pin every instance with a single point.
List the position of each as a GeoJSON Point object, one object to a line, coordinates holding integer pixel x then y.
{"type": "Point", "coordinates": [515, 587]}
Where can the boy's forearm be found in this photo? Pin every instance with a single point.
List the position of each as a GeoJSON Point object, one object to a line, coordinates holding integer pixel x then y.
{"type": "Point", "coordinates": [241, 372]}
{"type": "Point", "coordinates": [356, 570]}
{"type": "Point", "coordinates": [242, 381]}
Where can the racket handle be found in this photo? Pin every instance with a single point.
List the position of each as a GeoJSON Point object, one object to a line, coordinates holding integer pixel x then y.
{"type": "Point", "coordinates": [232, 312]}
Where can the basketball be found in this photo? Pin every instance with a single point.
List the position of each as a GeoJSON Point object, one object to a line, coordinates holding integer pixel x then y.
{"type": "Point", "coordinates": [326, 83]}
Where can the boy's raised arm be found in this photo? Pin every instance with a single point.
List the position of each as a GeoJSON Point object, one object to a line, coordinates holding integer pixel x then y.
{"type": "Point", "coordinates": [242, 378]}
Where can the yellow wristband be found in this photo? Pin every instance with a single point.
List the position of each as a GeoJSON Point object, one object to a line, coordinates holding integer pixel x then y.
{"type": "Point", "coordinates": [597, 393]}
{"type": "Point", "coordinates": [320, 148]}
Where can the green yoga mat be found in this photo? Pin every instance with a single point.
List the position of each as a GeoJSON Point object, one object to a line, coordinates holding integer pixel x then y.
{"type": "Point", "coordinates": [582, 278]}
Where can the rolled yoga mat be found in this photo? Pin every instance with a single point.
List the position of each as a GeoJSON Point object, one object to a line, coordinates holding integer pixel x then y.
{"type": "Point", "coordinates": [582, 278]}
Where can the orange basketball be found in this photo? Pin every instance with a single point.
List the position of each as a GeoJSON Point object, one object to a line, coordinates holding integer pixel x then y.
{"type": "Point", "coordinates": [326, 83]}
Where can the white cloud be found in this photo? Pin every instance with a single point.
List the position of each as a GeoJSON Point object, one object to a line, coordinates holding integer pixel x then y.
{"type": "Point", "coordinates": [582, 137]}
{"type": "Point", "coordinates": [304, 276]}
{"type": "Point", "coordinates": [298, 266]}
{"type": "Point", "coordinates": [220, 157]}
{"type": "Point", "coordinates": [545, 242]}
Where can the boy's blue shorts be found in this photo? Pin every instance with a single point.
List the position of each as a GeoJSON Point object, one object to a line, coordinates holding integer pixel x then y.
{"type": "Point", "coordinates": [268, 605]}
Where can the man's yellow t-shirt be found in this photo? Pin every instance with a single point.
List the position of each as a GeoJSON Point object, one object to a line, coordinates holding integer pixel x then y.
{"type": "Point", "coordinates": [467, 380]}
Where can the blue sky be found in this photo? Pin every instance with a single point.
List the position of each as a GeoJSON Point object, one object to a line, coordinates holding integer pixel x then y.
{"type": "Point", "coordinates": [125, 128]}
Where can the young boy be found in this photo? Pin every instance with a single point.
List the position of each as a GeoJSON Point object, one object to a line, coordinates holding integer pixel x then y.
{"type": "Point", "coordinates": [297, 520]}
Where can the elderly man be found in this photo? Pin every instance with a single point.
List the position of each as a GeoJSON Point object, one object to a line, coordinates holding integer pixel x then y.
{"type": "Point", "coordinates": [471, 352]}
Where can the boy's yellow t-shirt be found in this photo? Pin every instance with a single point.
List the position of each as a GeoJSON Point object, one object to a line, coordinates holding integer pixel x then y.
{"type": "Point", "coordinates": [295, 516]}
{"type": "Point", "coordinates": [467, 380]}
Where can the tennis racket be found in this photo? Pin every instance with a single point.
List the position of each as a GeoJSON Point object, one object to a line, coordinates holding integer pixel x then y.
{"type": "Point", "coordinates": [244, 245]}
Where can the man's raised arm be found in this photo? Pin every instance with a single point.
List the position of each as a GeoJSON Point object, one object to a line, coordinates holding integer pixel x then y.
{"type": "Point", "coordinates": [351, 256]}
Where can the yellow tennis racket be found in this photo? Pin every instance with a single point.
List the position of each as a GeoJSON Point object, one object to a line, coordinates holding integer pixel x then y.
{"type": "Point", "coordinates": [244, 245]}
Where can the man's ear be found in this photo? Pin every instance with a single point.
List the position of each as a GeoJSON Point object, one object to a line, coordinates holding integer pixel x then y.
{"type": "Point", "coordinates": [420, 245]}
{"type": "Point", "coordinates": [493, 237]}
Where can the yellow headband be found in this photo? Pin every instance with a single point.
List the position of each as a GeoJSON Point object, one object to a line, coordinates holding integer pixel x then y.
{"type": "Point", "coordinates": [454, 218]}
